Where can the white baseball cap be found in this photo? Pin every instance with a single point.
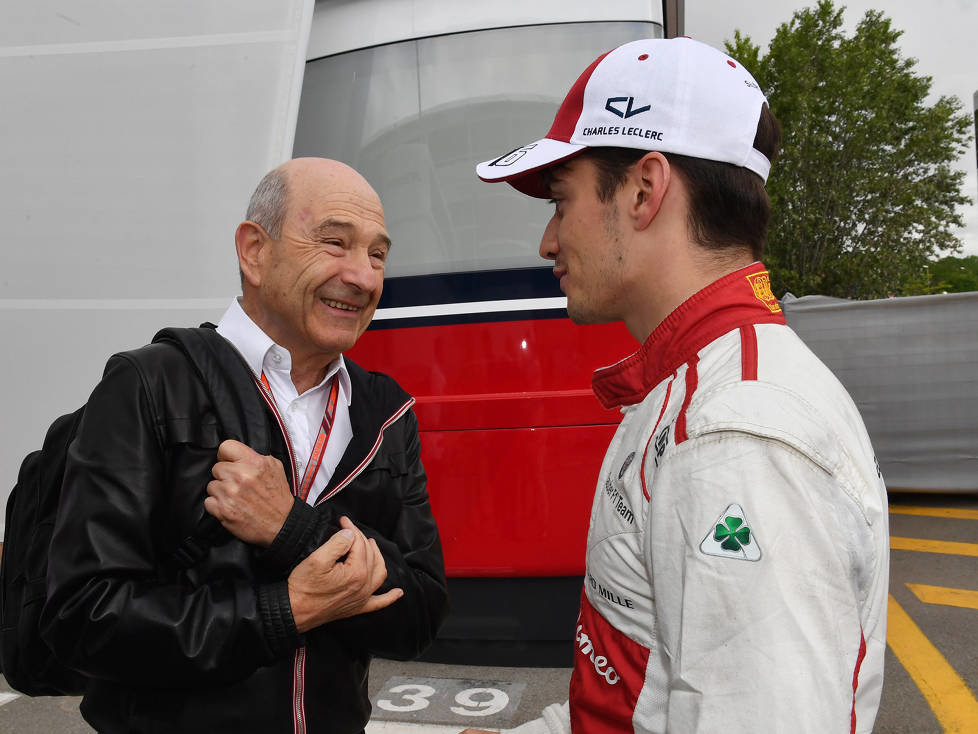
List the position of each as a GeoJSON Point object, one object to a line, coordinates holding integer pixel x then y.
{"type": "Point", "coordinates": [672, 95]}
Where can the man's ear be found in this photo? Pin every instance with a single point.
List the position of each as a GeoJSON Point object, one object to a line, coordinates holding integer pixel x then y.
{"type": "Point", "coordinates": [650, 178]}
{"type": "Point", "coordinates": [250, 240]}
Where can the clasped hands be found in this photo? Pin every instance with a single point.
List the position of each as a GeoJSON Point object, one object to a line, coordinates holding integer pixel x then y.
{"type": "Point", "coordinates": [250, 497]}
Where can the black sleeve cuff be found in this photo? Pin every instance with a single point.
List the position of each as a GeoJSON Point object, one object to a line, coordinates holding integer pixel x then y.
{"type": "Point", "coordinates": [292, 542]}
{"type": "Point", "coordinates": [278, 626]}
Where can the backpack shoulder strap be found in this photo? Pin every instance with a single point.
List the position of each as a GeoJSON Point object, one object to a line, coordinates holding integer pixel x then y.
{"type": "Point", "coordinates": [239, 408]}
{"type": "Point", "coordinates": [228, 380]}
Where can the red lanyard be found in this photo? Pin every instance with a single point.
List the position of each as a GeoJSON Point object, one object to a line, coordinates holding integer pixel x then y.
{"type": "Point", "coordinates": [319, 449]}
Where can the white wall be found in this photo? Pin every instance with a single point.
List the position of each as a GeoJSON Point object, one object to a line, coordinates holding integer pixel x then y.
{"type": "Point", "coordinates": [131, 136]}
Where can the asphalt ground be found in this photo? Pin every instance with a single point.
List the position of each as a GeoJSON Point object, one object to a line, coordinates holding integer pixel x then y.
{"type": "Point", "coordinates": [931, 676]}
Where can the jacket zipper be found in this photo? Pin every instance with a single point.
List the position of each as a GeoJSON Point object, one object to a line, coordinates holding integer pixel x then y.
{"type": "Point", "coordinates": [299, 693]}
{"type": "Point", "coordinates": [299, 664]}
{"type": "Point", "coordinates": [270, 401]}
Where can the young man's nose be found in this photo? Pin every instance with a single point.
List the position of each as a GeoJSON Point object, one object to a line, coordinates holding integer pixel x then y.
{"type": "Point", "coordinates": [548, 243]}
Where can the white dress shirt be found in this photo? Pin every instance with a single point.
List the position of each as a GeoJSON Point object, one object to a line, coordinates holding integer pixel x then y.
{"type": "Point", "coordinates": [301, 414]}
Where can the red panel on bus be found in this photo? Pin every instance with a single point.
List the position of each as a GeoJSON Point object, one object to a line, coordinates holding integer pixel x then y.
{"type": "Point", "coordinates": [512, 436]}
{"type": "Point", "coordinates": [514, 502]}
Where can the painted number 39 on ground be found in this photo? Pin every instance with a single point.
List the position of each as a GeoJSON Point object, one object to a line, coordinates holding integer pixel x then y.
{"type": "Point", "coordinates": [472, 701]}
{"type": "Point", "coordinates": [445, 699]}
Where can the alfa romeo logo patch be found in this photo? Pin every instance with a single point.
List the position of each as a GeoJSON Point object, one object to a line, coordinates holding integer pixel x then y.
{"type": "Point", "coordinates": [731, 536]}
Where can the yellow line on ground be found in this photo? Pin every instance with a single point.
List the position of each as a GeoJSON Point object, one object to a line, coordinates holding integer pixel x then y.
{"type": "Point", "coordinates": [964, 598]}
{"type": "Point", "coordinates": [949, 698]}
{"type": "Point", "coordinates": [934, 512]}
{"type": "Point", "coordinates": [951, 547]}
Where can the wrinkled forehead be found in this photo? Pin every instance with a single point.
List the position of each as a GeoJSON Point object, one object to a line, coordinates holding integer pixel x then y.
{"type": "Point", "coordinates": [354, 203]}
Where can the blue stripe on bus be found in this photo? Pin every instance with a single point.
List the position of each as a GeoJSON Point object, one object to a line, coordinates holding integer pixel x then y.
{"type": "Point", "coordinates": [486, 285]}
{"type": "Point", "coordinates": [468, 318]}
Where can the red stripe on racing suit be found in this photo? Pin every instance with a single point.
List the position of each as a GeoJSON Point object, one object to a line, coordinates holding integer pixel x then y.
{"type": "Point", "coordinates": [609, 672]}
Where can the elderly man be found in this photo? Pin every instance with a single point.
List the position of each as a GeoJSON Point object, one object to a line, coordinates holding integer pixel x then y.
{"type": "Point", "coordinates": [273, 629]}
{"type": "Point", "coordinates": [737, 555]}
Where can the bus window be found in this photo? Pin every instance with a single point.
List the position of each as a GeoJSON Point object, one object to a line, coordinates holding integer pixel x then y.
{"type": "Point", "coordinates": [414, 116]}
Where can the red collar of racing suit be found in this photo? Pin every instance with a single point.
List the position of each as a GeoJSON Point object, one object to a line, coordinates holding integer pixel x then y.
{"type": "Point", "coordinates": [738, 299]}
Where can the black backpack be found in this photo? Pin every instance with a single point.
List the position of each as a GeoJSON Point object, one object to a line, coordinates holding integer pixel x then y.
{"type": "Point", "coordinates": [25, 660]}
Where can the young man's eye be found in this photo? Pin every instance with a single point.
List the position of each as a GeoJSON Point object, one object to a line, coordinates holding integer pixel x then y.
{"type": "Point", "coordinates": [557, 205]}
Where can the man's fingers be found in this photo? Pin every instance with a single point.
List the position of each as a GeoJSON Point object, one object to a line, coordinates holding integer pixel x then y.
{"type": "Point", "coordinates": [212, 506]}
{"type": "Point", "coordinates": [322, 588]}
{"type": "Point", "coordinates": [335, 548]}
{"type": "Point", "coordinates": [347, 524]}
{"type": "Point", "coordinates": [378, 568]}
{"type": "Point", "coordinates": [222, 470]}
{"type": "Point", "coordinates": [365, 556]}
{"type": "Point", "coordinates": [380, 601]}
{"type": "Point", "coordinates": [231, 450]}
{"type": "Point", "coordinates": [360, 547]}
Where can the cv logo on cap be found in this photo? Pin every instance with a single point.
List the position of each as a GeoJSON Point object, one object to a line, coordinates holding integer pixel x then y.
{"type": "Point", "coordinates": [629, 112]}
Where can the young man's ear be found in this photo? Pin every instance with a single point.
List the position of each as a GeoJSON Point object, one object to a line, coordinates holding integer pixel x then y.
{"type": "Point", "coordinates": [250, 240]}
{"type": "Point", "coordinates": [650, 178]}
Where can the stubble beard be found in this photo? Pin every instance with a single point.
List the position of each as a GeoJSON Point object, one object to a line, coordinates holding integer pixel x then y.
{"type": "Point", "coordinates": [600, 303]}
{"type": "Point", "coordinates": [604, 309]}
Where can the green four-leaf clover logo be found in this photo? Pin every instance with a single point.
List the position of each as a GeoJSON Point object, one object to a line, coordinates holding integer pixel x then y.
{"type": "Point", "coordinates": [733, 533]}
{"type": "Point", "coordinates": [731, 536]}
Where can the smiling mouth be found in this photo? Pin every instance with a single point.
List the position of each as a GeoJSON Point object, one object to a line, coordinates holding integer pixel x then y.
{"type": "Point", "coordinates": [340, 305]}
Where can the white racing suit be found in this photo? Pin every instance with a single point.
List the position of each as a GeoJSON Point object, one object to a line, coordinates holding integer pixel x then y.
{"type": "Point", "coordinates": [737, 557]}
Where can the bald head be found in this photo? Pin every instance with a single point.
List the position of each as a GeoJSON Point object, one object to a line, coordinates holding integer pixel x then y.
{"type": "Point", "coordinates": [269, 203]}
{"type": "Point", "coordinates": [324, 171]}
{"type": "Point", "coordinates": [308, 179]}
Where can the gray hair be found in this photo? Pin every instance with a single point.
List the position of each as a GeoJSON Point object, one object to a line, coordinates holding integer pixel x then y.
{"type": "Point", "coordinates": [267, 204]}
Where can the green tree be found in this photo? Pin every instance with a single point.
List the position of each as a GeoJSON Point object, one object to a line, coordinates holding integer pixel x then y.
{"type": "Point", "coordinates": [864, 194]}
{"type": "Point", "coordinates": [955, 274]}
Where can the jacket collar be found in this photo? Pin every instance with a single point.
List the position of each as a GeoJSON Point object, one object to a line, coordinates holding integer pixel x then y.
{"type": "Point", "coordinates": [376, 400]}
{"type": "Point", "coordinates": [263, 355]}
{"type": "Point", "coordinates": [740, 298]}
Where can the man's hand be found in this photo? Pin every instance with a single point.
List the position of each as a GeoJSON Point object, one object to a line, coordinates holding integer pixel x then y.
{"type": "Point", "coordinates": [323, 588]}
{"type": "Point", "coordinates": [249, 494]}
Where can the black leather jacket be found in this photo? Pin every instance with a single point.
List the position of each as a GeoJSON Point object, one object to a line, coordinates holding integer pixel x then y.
{"type": "Point", "coordinates": [213, 648]}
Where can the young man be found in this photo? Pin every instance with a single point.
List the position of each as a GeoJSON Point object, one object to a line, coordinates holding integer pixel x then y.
{"type": "Point", "coordinates": [737, 556]}
{"type": "Point", "coordinates": [271, 630]}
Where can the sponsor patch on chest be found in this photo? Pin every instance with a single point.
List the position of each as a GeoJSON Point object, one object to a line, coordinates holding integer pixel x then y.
{"type": "Point", "coordinates": [609, 594]}
{"type": "Point", "coordinates": [616, 495]}
{"type": "Point", "coordinates": [661, 442]}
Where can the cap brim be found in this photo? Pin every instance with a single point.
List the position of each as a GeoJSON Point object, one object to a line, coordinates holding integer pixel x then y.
{"type": "Point", "coordinates": [521, 168]}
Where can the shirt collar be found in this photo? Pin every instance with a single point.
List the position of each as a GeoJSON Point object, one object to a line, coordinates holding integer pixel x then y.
{"type": "Point", "coordinates": [256, 347]}
{"type": "Point", "coordinates": [740, 298]}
